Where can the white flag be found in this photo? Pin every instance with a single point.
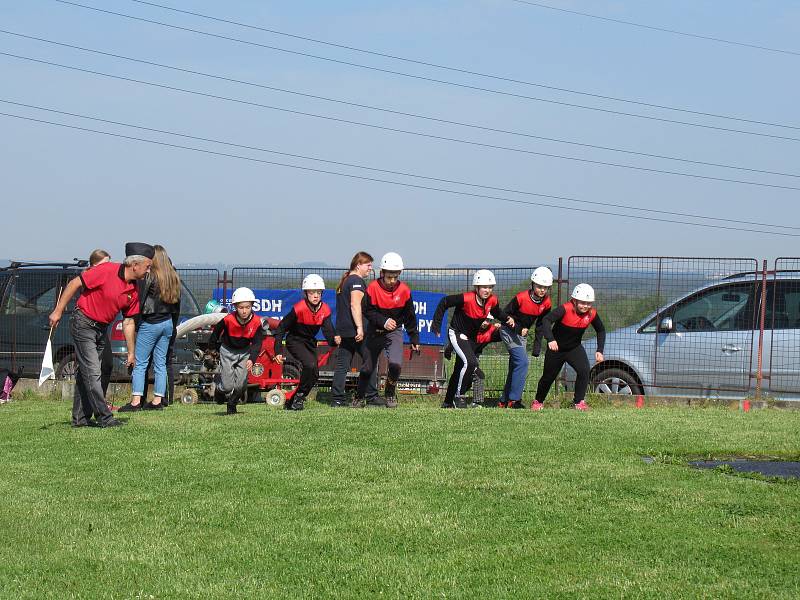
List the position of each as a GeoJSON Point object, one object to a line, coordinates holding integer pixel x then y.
{"type": "Point", "coordinates": [47, 372]}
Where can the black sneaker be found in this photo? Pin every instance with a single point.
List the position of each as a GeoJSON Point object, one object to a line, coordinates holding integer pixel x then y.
{"type": "Point", "coordinates": [151, 406]}
{"type": "Point", "coordinates": [391, 402]}
{"type": "Point", "coordinates": [112, 423]}
{"type": "Point", "coordinates": [447, 404]}
{"type": "Point", "coordinates": [339, 404]}
{"type": "Point", "coordinates": [231, 410]}
{"type": "Point", "coordinates": [474, 404]}
{"type": "Point", "coordinates": [298, 402]}
{"type": "Point", "coordinates": [517, 404]}
{"type": "Point", "coordinates": [375, 403]}
{"type": "Point", "coordinates": [459, 402]}
{"type": "Point", "coordinates": [130, 407]}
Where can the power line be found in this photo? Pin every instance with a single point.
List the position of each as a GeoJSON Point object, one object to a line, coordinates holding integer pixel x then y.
{"type": "Point", "coordinates": [396, 183]}
{"type": "Point", "coordinates": [654, 28]}
{"type": "Point", "coordinates": [448, 67]}
{"type": "Point", "coordinates": [404, 131]}
{"type": "Point", "coordinates": [428, 79]}
{"type": "Point", "coordinates": [398, 112]}
{"type": "Point", "coordinates": [387, 171]}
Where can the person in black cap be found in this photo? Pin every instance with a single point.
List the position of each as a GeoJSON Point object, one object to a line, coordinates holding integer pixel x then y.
{"type": "Point", "coordinates": [106, 289]}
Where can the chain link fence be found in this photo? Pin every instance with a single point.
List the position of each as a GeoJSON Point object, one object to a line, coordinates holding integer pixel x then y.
{"type": "Point", "coordinates": [782, 322]}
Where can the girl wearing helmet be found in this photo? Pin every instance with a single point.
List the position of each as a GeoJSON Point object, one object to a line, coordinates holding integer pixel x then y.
{"type": "Point", "coordinates": [300, 326]}
{"type": "Point", "coordinates": [350, 327]}
{"type": "Point", "coordinates": [238, 338]}
{"type": "Point", "coordinates": [387, 307]}
{"type": "Point", "coordinates": [528, 308]}
{"type": "Point", "coordinates": [563, 328]}
{"type": "Point", "coordinates": [471, 310]}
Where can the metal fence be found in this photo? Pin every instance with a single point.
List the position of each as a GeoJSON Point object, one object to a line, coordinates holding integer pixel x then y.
{"type": "Point", "coordinates": [676, 325]}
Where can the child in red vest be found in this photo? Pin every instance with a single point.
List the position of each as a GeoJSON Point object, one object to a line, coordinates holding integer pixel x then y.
{"type": "Point", "coordinates": [300, 326]}
{"type": "Point", "coordinates": [388, 307]}
{"type": "Point", "coordinates": [238, 338]}
{"type": "Point", "coordinates": [563, 329]}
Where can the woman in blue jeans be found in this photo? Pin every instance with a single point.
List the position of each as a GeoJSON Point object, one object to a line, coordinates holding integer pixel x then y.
{"type": "Point", "coordinates": [160, 302]}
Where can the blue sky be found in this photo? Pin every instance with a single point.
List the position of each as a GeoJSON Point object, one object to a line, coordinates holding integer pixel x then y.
{"type": "Point", "coordinates": [68, 192]}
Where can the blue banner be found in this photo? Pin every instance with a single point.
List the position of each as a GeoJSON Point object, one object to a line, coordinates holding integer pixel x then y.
{"type": "Point", "coordinates": [277, 303]}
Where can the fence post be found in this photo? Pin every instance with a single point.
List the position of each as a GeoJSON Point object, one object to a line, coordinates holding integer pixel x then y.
{"type": "Point", "coordinates": [762, 316]}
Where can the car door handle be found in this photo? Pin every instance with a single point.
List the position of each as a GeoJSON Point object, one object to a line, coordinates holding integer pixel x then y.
{"type": "Point", "coordinates": [731, 348]}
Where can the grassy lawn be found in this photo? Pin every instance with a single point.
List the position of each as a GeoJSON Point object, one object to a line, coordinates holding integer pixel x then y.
{"type": "Point", "coordinates": [413, 503]}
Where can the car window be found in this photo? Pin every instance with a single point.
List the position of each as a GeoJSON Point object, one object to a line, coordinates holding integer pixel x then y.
{"type": "Point", "coordinates": [725, 308]}
{"type": "Point", "coordinates": [32, 293]}
{"type": "Point", "coordinates": [783, 306]}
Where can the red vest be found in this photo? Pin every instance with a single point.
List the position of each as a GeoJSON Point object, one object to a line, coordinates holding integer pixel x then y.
{"type": "Point", "coordinates": [529, 307]}
{"type": "Point", "coordinates": [386, 300]}
{"type": "Point", "coordinates": [474, 310]}
{"type": "Point", "coordinates": [573, 319]}
{"type": "Point", "coordinates": [237, 330]}
{"type": "Point", "coordinates": [306, 316]}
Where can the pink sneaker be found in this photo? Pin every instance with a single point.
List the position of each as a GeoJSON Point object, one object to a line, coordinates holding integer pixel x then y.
{"type": "Point", "coordinates": [536, 405]}
{"type": "Point", "coordinates": [581, 405]}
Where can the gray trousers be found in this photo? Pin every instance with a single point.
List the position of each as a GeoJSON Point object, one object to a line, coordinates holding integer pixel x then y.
{"type": "Point", "coordinates": [90, 340]}
{"type": "Point", "coordinates": [232, 379]}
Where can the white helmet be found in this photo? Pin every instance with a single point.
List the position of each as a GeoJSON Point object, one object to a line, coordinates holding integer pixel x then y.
{"type": "Point", "coordinates": [583, 292]}
{"type": "Point", "coordinates": [483, 277]}
{"type": "Point", "coordinates": [542, 276]}
{"type": "Point", "coordinates": [243, 294]}
{"type": "Point", "coordinates": [392, 261]}
{"type": "Point", "coordinates": [313, 282]}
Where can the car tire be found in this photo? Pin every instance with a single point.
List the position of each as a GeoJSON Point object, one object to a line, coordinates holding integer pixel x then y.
{"type": "Point", "coordinates": [67, 367]}
{"type": "Point", "coordinates": [616, 381]}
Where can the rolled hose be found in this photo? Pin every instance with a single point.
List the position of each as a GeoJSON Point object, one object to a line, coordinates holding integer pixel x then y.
{"type": "Point", "coordinates": [199, 322]}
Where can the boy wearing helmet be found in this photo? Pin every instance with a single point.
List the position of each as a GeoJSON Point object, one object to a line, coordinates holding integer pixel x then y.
{"type": "Point", "coordinates": [528, 308]}
{"type": "Point", "coordinates": [238, 338]}
{"type": "Point", "coordinates": [388, 307]}
{"type": "Point", "coordinates": [300, 326]}
{"type": "Point", "coordinates": [471, 310]}
{"type": "Point", "coordinates": [563, 328]}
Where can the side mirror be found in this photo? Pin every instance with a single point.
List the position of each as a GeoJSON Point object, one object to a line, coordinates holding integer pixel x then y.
{"type": "Point", "coordinates": [666, 325]}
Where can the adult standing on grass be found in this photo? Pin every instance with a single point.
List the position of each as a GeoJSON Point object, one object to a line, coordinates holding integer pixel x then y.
{"type": "Point", "coordinates": [97, 257]}
{"type": "Point", "coordinates": [528, 308]}
{"type": "Point", "coordinates": [350, 327]}
{"type": "Point", "coordinates": [563, 329]}
{"type": "Point", "coordinates": [107, 289]}
{"type": "Point", "coordinates": [159, 307]}
{"type": "Point", "coordinates": [471, 310]}
{"type": "Point", "coordinates": [388, 307]}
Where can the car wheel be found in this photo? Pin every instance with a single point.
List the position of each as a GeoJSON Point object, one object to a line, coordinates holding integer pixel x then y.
{"type": "Point", "coordinates": [189, 396]}
{"type": "Point", "coordinates": [616, 381]}
{"type": "Point", "coordinates": [67, 367]}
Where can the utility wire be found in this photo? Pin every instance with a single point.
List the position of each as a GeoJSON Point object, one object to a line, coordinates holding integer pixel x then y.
{"type": "Point", "coordinates": [447, 67]}
{"type": "Point", "coordinates": [404, 131]}
{"type": "Point", "coordinates": [388, 171]}
{"type": "Point", "coordinates": [423, 78]}
{"type": "Point", "coordinates": [396, 183]}
{"type": "Point", "coordinates": [653, 28]}
{"type": "Point", "coordinates": [398, 112]}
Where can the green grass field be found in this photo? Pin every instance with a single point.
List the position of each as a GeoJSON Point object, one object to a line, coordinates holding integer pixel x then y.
{"type": "Point", "coordinates": [412, 503]}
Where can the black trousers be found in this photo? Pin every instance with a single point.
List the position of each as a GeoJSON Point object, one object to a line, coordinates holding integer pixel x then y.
{"type": "Point", "coordinates": [554, 361]}
{"type": "Point", "coordinates": [466, 363]}
{"type": "Point", "coordinates": [89, 400]}
{"type": "Point", "coordinates": [106, 365]}
{"type": "Point", "coordinates": [344, 358]}
{"type": "Point", "coordinates": [304, 351]}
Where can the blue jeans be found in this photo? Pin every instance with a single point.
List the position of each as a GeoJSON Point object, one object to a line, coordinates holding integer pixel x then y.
{"type": "Point", "coordinates": [152, 338]}
{"type": "Point", "coordinates": [517, 363]}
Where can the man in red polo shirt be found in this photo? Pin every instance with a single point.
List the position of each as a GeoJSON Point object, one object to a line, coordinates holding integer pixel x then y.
{"type": "Point", "coordinates": [108, 288]}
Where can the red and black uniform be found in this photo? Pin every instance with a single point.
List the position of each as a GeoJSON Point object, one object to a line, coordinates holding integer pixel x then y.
{"type": "Point", "coordinates": [238, 337]}
{"type": "Point", "coordinates": [300, 326]}
{"type": "Point", "coordinates": [528, 312]}
{"type": "Point", "coordinates": [380, 304]}
{"type": "Point", "coordinates": [565, 326]}
{"type": "Point", "coordinates": [463, 331]}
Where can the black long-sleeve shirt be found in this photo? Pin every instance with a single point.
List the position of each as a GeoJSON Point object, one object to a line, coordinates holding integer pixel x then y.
{"type": "Point", "coordinates": [381, 303]}
{"type": "Point", "coordinates": [304, 321]}
{"type": "Point", "coordinates": [469, 313]}
{"type": "Point", "coordinates": [566, 326]}
{"type": "Point", "coordinates": [238, 336]}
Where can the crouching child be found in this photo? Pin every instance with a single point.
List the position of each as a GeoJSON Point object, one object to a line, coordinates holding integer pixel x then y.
{"type": "Point", "coordinates": [238, 339]}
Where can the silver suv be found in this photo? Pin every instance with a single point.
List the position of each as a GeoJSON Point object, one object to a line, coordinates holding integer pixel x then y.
{"type": "Point", "coordinates": [706, 343]}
